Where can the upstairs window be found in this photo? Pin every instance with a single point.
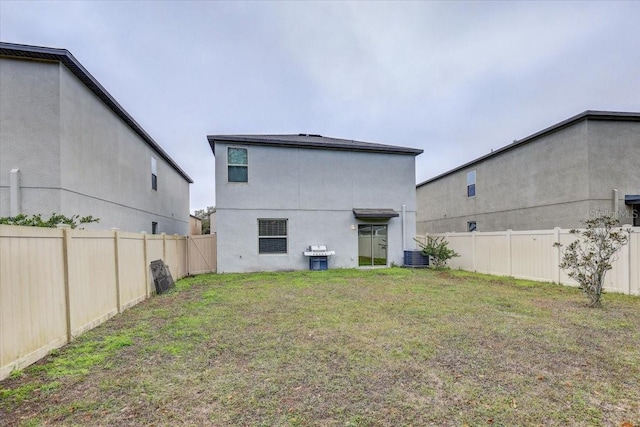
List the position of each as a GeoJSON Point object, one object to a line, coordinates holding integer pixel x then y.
{"type": "Point", "coordinates": [237, 164]}
{"type": "Point", "coordinates": [272, 236]}
{"type": "Point", "coordinates": [471, 184]}
{"type": "Point", "coordinates": [154, 174]}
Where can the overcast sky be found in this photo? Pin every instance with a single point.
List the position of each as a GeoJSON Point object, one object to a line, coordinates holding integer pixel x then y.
{"type": "Point", "coordinates": [456, 79]}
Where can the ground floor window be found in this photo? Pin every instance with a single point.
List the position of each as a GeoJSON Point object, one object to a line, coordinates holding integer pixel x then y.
{"type": "Point", "coordinates": [272, 236]}
{"type": "Point", "coordinates": [372, 244]}
{"type": "Point", "coordinates": [471, 226]}
{"type": "Point", "coordinates": [154, 227]}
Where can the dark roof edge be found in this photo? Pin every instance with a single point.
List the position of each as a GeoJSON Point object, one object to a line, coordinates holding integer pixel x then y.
{"type": "Point", "coordinates": [388, 149]}
{"type": "Point", "coordinates": [586, 115]}
{"type": "Point", "coordinates": [68, 60]}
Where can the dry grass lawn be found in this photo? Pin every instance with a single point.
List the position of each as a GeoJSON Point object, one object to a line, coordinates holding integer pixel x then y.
{"type": "Point", "coordinates": [387, 347]}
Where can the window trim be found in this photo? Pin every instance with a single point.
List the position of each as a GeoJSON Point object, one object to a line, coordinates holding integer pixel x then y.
{"type": "Point", "coordinates": [471, 184]}
{"type": "Point", "coordinates": [237, 165]}
{"type": "Point", "coordinates": [285, 237]}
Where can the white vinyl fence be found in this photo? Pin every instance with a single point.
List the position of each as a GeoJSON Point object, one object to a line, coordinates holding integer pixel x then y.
{"type": "Point", "coordinates": [531, 255]}
{"type": "Point", "coordinates": [56, 284]}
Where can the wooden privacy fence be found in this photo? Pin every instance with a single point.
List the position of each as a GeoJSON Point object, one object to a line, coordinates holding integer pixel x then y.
{"type": "Point", "coordinates": [531, 255]}
{"type": "Point", "coordinates": [56, 284]}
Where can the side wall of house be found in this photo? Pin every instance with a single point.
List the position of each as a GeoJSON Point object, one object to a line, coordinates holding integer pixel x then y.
{"type": "Point", "coordinates": [316, 191]}
{"type": "Point", "coordinates": [106, 168]}
{"type": "Point", "coordinates": [30, 134]}
{"type": "Point", "coordinates": [76, 156]}
{"type": "Point", "coordinates": [539, 185]}
{"type": "Point", "coordinates": [614, 163]}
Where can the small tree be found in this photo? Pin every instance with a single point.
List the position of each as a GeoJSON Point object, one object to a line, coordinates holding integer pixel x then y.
{"type": "Point", "coordinates": [52, 222]}
{"type": "Point", "coordinates": [437, 248]}
{"type": "Point", "coordinates": [588, 258]}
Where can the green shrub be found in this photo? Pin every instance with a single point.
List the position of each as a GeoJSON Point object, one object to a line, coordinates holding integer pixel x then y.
{"type": "Point", "coordinates": [437, 248]}
{"type": "Point", "coordinates": [52, 222]}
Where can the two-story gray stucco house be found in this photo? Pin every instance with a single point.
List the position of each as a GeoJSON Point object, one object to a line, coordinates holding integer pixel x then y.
{"type": "Point", "coordinates": [67, 146]}
{"type": "Point", "coordinates": [278, 194]}
{"type": "Point", "coordinates": [584, 166]}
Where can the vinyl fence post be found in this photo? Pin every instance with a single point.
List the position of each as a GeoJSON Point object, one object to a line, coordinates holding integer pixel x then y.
{"type": "Point", "coordinates": [473, 250]}
{"type": "Point", "coordinates": [116, 246]}
{"type": "Point", "coordinates": [164, 247]}
{"type": "Point", "coordinates": [627, 247]}
{"type": "Point", "coordinates": [556, 256]}
{"type": "Point", "coordinates": [66, 244]}
{"type": "Point", "coordinates": [509, 254]}
{"type": "Point", "coordinates": [145, 249]}
{"type": "Point", "coordinates": [187, 255]}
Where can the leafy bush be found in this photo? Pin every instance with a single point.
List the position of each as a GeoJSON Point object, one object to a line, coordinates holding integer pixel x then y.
{"type": "Point", "coordinates": [54, 219]}
{"type": "Point", "coordinates": [589, 257]}
{"type": "Point", "coordinates": [437, 248]}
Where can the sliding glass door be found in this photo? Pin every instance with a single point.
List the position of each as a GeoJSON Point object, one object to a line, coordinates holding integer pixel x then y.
{"type": "Point", "coordinates": [372, 245]}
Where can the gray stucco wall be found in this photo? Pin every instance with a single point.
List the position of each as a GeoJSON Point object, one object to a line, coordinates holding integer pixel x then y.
{"type": "Point", "coordinates": [30, 133]}
{"type": "Point", "coordinates": [316, 191]}
{"type": "Point", "coordinates": [614, 163]}
{"type": "Point", "coordinates": [558, 180]}
{"type": "Point", "coordinates": [89, 162]}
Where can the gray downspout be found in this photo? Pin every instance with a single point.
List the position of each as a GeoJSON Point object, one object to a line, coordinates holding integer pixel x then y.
{"type": "Point", "coordinates": [404, 228]}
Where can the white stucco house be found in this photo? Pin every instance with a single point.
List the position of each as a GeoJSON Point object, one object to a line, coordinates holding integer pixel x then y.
{"type": "Point", "coordinates": [276, 195]}
{"type": "Point", "coordinates": [67, 146]}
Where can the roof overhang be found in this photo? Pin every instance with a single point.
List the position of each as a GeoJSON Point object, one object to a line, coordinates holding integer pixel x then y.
{"type": "Point", "coordinates": [310, 141]}
{"type": "Point", "coordinates": [374, 213]}
{"type": "Point", "coordinates": [632, 199]}
{"type": "Point", "coordinates": [587, 115]}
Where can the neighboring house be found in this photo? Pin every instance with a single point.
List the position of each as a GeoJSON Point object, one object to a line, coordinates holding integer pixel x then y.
{"type": "Point", "coordinates": [572, 171]}
{"type": "Point", "coordinates": [278, 194]}
{"type": "Point", "coordinates": [67, 146]}
{"type": "Point", "coordinates": [195, 225]}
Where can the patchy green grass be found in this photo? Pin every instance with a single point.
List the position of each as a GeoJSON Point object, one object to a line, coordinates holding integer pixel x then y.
{"type": "Point", "coordinates": [345, 348]}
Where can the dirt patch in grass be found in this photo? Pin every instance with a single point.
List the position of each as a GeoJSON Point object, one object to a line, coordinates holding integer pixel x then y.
{"type": "Point", "coordinates": [345, 348]}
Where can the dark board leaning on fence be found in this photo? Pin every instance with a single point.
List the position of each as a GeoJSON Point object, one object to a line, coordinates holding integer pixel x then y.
{"type": "Point", "coordinates": [161, 276]}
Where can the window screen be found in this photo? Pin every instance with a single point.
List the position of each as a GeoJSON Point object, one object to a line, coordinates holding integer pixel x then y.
{"type": "Point", "coordinates": [471, 184]}
{"type": "Point", "coordinates": [272, 236]}
{"type": "Point", "coordinates": [237, 164]}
